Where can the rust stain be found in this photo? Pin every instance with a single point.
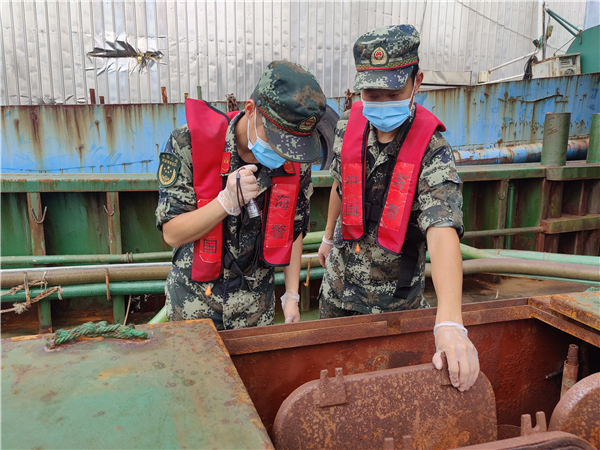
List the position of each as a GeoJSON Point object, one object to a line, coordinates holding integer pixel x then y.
{"type": "Point", "coordinates": [18, 130]}
{"type": "Point", "coordinates": [115, 372]}
{"type": "Point", "coordinates": [48, 396]}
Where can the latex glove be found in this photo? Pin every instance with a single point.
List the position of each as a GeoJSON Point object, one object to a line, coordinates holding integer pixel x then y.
{"type": "Point", "coordinates": [289, 304]}
{"type": "Point", "coordinates": [228, 197]}
{"type": "Point", "coordinates": [463, 361]}
{"type": "Point", "coordinates": [324, 250]}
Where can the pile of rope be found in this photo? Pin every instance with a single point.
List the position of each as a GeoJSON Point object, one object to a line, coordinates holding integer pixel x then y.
{"type": "Point", "coordinates": [100, 329]}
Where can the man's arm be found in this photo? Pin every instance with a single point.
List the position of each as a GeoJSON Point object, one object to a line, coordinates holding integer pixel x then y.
{"type": "Point", "coordinates": [193, 225]}
{"type": "Point", "coordinates": [291, 273]}
{"type": "Point", "coordinates": [446, 272]}
{"type": "Point", "coordinates": [333, 212]}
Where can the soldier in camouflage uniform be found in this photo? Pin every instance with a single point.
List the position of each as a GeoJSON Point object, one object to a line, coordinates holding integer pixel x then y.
{"type": "Point", "coordinates": [290, 102]}
{"type": "Point", "coordinates": [362, 276]}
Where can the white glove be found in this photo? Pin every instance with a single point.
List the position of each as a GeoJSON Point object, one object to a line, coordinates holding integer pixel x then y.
{"type": "Point", "coordinates": [289, 304]}
{"type": "Point", "coordinates": [229, 197]}
{"type": "Point", "coordinates": [324, 250]}
{"type": "Point", "coordinates": [463, 361]}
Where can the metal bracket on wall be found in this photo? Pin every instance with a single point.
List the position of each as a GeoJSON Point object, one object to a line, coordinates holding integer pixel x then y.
{"type": "Point", "coordinates": [112, 213]}
{"type": "Point", "coordinates": [34, 215]}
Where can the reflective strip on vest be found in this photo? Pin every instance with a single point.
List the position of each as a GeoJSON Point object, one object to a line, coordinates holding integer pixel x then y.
{"type": "Point", "coordinates": [393, 223]}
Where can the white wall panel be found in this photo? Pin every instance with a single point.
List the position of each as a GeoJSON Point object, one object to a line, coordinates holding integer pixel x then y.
{"type": "Point", "coordinates": [224, 45]}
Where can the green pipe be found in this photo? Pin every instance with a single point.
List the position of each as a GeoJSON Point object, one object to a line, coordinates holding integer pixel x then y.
{"type": "Point", "coordinates": [93, 290]}
{"type": "Point", "coordinates": [311, 247]}
{"type": "Point", "coordinates": [593, 155]}
{"type": "Point", "coordinates": [502, 232]}
{"type": "Point", "coordinates": [316, 273]}
{"type": "Point", "coordinates": [311, 242]}
{"type": "Point", "coordinates": [160, 317]}
{"type": "Point", "coordinates": [556, 139]}
{"type": "Point", "coordinates": [313, 238]}
{"type": "Point", "coordinates": [562, 21]}
{"type": "Point", "coordinates": [510, 202]}
{"type": "Point", "coordinates": [84, 259]}
{"type": "Point", "coordinates": [528, 267]}
{"type": "Point", "coordinates": [539, 256]}
{"type": "Point", "coordinates": [565, 280]}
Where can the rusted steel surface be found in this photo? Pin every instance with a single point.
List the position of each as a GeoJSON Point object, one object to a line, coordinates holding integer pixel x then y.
{"type": "Point", "coordinates": [292, 338]}
{"type": "Point", "coordinates": [583, 307]}
{"type": "Point", "coordinates": [38, 248]}
{"type": "Point", "coordinates": [578, 411]}
{"type": "Point", "coordinates": [177, 389]}
{"type": "Point", "coordinates": [361, 411]}
{"type": "Point", "coordinates": [258, 339]}
{"type": "Point", "coordinates": [552, 440]}
{"type": "Point", "coordinates": [541, 310]}
{"type": "Point", "coordinates": [569, 223]}
{"type": "Point", "coordinates": [516, 353]}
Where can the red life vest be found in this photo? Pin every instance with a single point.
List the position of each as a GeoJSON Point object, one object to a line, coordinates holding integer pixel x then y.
{"type": "Point", "coordinates": [393, 223]}
{"type": "Point", "coordinates": [208, 130]}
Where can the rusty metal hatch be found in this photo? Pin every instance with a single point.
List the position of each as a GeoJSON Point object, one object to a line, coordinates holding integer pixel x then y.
{"type": "Point", "coordinates": [578, 412]}
{"type": "Point", "coordinates": [361, 411]}
{"type": "Point", "coordinates": [177, 389]}
{"type": "Point", "coordinates": [554, 440]}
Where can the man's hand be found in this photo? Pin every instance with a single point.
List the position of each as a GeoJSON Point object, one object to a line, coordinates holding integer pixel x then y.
{"type": "Point", "coordinates": [463, 361]}
{"type": "Point", "coordinates": [324, 250]}
{"type": "Point", "coordinates": [289, 304]}
{"type": "Point", "coordinates": [230, 198]}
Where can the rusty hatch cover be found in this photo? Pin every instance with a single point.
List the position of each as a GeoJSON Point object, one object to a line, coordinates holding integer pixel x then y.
{"type": "Point", "coordinates": [582, 306]}
{"type": "Point", "coordinates": [550, 440]}
{"type": "Point", "coordinates": [578, 411]}
{"type": "Point", "coordinates": [177, 389]}
{"type": "Point", "coordinates": [361, 411]}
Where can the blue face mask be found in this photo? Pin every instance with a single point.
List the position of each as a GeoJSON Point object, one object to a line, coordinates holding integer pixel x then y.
{"type": "Point", "coordinates": [262, 150]}
{"type": "Point", "coordinates": [387, 116]}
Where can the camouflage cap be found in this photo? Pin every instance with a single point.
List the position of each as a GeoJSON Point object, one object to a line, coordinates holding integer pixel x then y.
{"type": "Point", "coordinates": [292, 103]}
{"type": "Point", "coordinates": [384, 57]}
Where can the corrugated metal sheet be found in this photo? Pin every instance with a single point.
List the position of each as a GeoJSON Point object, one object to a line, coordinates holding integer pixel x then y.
{"type": "Point", "coordinates": [128, 138]}
{"type": "Point", "coordinates": [223, 46]}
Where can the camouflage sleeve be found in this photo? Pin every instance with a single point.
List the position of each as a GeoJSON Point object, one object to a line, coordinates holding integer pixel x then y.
{"type": "Point", "coordinates": [336, 164]}
{"type": "Point", "coordinates": [439, 195]}
{"type": "Point", "coordinates": [303, 204]}
{"type": "Point", "coordinates": [179, 197]}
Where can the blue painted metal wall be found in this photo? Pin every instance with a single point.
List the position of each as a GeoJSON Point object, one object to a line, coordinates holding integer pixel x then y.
{"type": "Point", "coordinates": [512, 113]}
{"type": "Point", "coordinates": [128, 138]}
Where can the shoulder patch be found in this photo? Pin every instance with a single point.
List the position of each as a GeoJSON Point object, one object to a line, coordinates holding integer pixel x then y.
{"type": "Point", "coordinates": [168, 169]}
{"type": "Point", "coordinates": [225, 162]}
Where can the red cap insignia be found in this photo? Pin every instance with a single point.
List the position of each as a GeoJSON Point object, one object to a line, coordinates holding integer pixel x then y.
{"type": "Point", "coordinates": [225, 162]}
{"type": "Point", "coordinates": [288, 166]}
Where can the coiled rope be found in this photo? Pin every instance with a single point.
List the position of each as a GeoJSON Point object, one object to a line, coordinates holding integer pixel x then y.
{"type": "Point", "coordinates": [91, 329]}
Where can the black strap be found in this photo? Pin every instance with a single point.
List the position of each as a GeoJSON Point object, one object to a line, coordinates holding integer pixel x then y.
{"type": "Point", "coordinates": [410, 257]}
{"type": "Point", "coordinates": [239, 282]}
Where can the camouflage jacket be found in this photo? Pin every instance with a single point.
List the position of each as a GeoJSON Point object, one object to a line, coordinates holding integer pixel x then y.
{"type": "Point", "coordinates": [365, 281]}
{"type": "Point", "coordinates": [232, 303]}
